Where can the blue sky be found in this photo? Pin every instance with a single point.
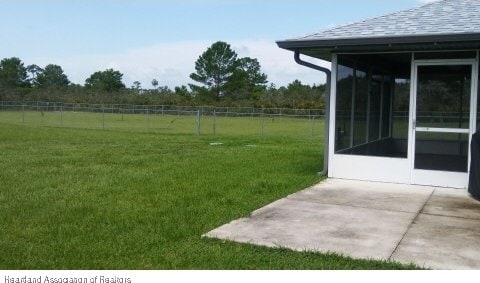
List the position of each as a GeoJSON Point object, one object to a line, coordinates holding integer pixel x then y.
{"type": "Point", "coordinates": [147, 39]}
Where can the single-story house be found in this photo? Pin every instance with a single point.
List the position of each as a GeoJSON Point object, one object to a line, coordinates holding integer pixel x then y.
{"type": "Point", "coordinates": [403, 103]}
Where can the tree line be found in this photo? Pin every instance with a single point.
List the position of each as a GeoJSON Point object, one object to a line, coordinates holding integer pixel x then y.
{"type": "Point", "coordinates": [221, 78]}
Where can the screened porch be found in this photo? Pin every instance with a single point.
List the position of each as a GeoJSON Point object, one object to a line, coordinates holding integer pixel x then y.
{"type": "Point", "coordinates": [373, 114]}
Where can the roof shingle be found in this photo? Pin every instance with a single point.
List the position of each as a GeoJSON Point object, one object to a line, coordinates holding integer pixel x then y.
{"type": "Point", "coordinates": [437, 18]}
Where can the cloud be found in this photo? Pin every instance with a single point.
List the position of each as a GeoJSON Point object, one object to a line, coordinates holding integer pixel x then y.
{"type": "Point", "coordinates": [279, 64]}
{"type": "Point", "coordinates": [427, 1]}
{"type": "Point", "coordinates": [172, 63]}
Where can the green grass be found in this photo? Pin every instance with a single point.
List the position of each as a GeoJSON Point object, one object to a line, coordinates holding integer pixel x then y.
{"type": "Point", "coordinates": [93, 199]}
{"type": "Point", "coordinates": [172, 123]}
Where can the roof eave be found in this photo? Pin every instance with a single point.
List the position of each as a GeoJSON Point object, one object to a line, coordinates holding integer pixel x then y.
{"type": "Point", "coordinates": [298, 44]}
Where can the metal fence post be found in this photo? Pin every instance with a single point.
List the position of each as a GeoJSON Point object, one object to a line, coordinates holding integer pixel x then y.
{"type": "Point", "coordinates": [313, 125]}
{"type": "Point", "coordinates": [61, 116]}
{"type": "Point", "coordinates": [103, 117]}
{"type": "Point", "coordinates": [162, 109]}
{"type": "Point", "coordinates": [198, 122]}
{"type": "Point", "coordinates": [23, 113]}
{"type": "Point", "coordinates": [263, 122]}
{"type": "Point", "coordinates": [148, 119]}
{"type": "Point", "coordinates": [214, 121]}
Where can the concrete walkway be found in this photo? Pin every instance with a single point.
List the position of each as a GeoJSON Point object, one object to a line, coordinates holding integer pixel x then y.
{"type": "Point", "coordinates": [433, 227]}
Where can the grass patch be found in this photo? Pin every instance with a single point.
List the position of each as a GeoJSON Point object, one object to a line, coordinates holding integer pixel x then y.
{"type": "Point", "coordinates": [93, 199]}
{"type": "Point", "coordinates": [298, 127]}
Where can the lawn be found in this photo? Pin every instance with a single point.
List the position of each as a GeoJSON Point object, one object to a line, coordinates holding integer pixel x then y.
{"type": "Point", "coordinates": [117, 199]}
{"type": "Point", "coordinates": [173, 122]}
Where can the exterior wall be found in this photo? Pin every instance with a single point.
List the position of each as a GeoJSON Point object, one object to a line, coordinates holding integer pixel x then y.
{"type": "Point", "coordinates": [370, 168]}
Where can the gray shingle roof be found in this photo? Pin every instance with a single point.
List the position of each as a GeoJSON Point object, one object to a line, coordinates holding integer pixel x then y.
{"type": "Point", "coordinates": [440, 25]}
{"type": "Point", "coordinates": [436, 18]}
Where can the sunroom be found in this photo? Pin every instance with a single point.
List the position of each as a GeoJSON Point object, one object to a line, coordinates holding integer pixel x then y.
{"type": "Point", "coordinates": [403, 103]}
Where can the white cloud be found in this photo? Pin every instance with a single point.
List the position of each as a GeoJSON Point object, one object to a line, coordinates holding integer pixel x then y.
{"type": "Point", "coordinates": [279, 64]}
{"type": "Point", "coordinates": [172, 63]}
{"type": "Point", "coordinates": [427, 1]}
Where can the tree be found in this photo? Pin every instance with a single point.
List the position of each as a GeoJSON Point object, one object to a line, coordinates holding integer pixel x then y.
{"type": "Point", "coordinates": [13, 73]}
{"type": "Point", "coordinates": [52, 76]}
{"type": "Point", "coordinates": [298, 95]}
{"type": "Point", "coordinates": [136, 85]}
{"type": "Point", "coordinates": [154, 83]}
{"type": "Point", "coordinates": [34, 70]}
{"type": "Point", "coordinates": [108, 80]}
{"type": "Point", "coordinates": [251, 69]}
{"type": "Point", "coordinates": [247, 77]}
{"type": "Point", "coordinates": [182, 91]}
{"type": "Point", "coordinates": [224, 74]}
{"type": "Point", "coordinates": [215, 67]}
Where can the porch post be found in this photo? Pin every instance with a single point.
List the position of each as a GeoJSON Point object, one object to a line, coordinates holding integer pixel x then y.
{"type": "Point", "coordinates": [332, 115]}
{"type": "Point", "coordinates": [352, 111]}
{"type": "Point", "coordinates": [411, 130]}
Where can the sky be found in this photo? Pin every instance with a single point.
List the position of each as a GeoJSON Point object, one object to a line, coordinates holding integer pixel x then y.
{"type": "Point", "coordinates": [147, 39]}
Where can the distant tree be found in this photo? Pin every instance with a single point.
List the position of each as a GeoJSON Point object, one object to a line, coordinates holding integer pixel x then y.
{"type": "Point", "coordinates": [298, 95]}
{"type": "Point", "coordinates": [52, 76]}
{"type": "Point", "coordinates": [250, 68]}
{"type": "Point", "coordinates": [214, 68]}
{"type": "Point", "coordinates": [296, 85]}
{"type": "Point", "coordinates": [13, 73]}
{"type": "Point", "coordinates": [154, 83]}
{"type": "Point", "coordinates": [182, 91]}
{"type": "Point", "coordinates": [108, 80]}
{"type": "Point", "coordinates": [247, 77]}
{"type": "Point", "coordinates": [165, 90]}
{"type": "Point", "coordinates": [137, 85]}
{"type": "Point", "coordinates": [223, 74]}
{"type": "Point", "coordinates": [34, 70]}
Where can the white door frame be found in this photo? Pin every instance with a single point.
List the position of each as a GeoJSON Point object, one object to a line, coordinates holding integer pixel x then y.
{"type": "Point", "coordinates": [440, 178]}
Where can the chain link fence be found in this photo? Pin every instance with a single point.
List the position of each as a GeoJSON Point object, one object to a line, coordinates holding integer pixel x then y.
{"type": "Point", "coordinates": [197, 120]}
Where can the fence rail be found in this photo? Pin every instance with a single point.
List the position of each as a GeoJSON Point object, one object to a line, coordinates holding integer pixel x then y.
{"type": "Point", "coordinates": [205, 110]}
{"type": "Point", "coordinates": [199, 120]}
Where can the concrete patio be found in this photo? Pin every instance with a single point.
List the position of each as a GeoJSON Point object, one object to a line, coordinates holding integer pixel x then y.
{"type": "Point", "coordinates": [433, 227]}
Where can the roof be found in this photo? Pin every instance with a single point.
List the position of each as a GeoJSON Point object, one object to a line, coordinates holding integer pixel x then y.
{"type": "Point", "coordinates": [440, 21]}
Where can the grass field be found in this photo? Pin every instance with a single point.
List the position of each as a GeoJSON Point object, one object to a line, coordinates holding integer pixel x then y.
{"type": "Point", "coordinates": [173, 123]}
{"type": "Point", "coordinates": [108, 199]}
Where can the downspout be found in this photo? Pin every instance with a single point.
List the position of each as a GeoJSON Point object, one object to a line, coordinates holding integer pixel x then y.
{"type": "Point", "coordinates": [328, 73]}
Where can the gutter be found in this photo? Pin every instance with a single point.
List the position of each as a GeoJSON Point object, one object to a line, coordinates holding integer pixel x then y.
{"type": "Point", "coordinates": [328, 73]}
{"type": "Point", "coordinates": [387, 41]}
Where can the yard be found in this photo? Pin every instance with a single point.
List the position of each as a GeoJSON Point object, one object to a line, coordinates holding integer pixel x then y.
{"type": "Point", "coordinates": [121, 199]}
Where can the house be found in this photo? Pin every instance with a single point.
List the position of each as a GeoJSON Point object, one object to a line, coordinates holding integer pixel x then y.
{"type": "Point", "coordinates": [403, 99]}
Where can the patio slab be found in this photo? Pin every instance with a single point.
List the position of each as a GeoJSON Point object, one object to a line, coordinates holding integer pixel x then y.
{"type": "Point", "coordinates": [453, 203]}
{"type": "Point", "coordinates": [393, 197]}
{"type": "Point", "coordinates": [303, 225]}
{"type": "Point", "coordinates": [441, 242]}
{"type": "Point", "coordinates": [433, 227]}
